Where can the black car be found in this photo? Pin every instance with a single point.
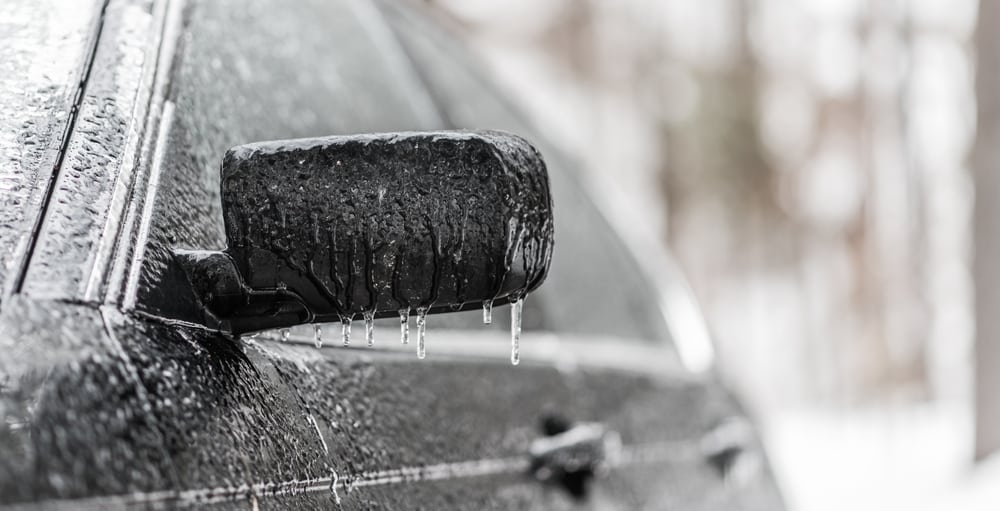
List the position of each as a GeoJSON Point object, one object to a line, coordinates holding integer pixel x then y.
{"type": "Point", "coordinates": [118, 390]}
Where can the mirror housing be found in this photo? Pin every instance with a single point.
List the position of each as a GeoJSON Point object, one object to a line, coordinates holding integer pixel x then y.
{"type": "Point", "coordinates": [326, 229]}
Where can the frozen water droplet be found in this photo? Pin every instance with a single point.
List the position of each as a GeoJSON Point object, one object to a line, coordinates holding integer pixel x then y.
{"type": "Point", "coordinates": [345, 325]}
{"type": "Point", "coordinates": [318, 336]}
{"type": "Point", "coordinates": [370, 328]}
{"type": "Point", "coordinates": [285, 334]}
{"type": "Point", "coordinates": [515, 331]}
{"type": "Point", "coordinates": [488, 312]}
{"type": "Point", "coordinates": [404, 326]}
{"type": "Point", "coordinates": [421, 328]}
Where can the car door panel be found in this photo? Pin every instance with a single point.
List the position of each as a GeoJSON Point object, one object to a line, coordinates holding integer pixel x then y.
{"type": "Point", "coordinates": [213, 421]}
{"type": "Point", "coordinates": [74, 417]}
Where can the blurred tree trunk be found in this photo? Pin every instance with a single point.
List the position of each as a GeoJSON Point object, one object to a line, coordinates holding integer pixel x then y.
{"type": "Point", "coordinates": [986, 231]}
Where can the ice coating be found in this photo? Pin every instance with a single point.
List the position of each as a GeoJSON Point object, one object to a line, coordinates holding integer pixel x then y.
{"type": "Point", "coordinates": [343, 225]}
{"type": "Point", "coordinates": [488, 312]}
{"type": "Point", "coordinates": [41, 92]}
{"type": "Point", "coordinates": [515, 330]}
{"type": "Point", "coordinates": [345, 328]}
{"type": "Point", "coordinates": [370, 329]}
{"type": "Point", "coordinates": [421, 331]}
{"type": "Point", "coordinates": [404, 326]}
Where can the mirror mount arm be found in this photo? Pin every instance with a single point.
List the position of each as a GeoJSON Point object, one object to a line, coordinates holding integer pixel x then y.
{"type": "Point", "coordinates": [224, 295]}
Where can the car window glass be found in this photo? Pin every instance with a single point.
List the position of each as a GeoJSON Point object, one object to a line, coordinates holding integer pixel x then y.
{"type": "Point", "coordinates": [595, 286]}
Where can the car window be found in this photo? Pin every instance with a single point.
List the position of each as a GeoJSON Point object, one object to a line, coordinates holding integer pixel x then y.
{"type": "Point", "coordinates": [595, 287]}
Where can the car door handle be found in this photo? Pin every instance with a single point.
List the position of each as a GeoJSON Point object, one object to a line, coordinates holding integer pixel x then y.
{"type": "Point", "coordinates": [570, 456]}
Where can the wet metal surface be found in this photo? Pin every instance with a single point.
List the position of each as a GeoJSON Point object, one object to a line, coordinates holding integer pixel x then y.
{"type": "Point", "coordinates": [74, 418]}
{"type": "Point", "coordinates": [106, 407]}
{"type": "Point", "coordinates": [84, 214]}
{"type": "Point", "coordinates": [44, 48]}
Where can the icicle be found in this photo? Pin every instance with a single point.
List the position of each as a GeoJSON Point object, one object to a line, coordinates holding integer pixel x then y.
{"type": "Point", "coordinates": [515, 330]}
{"type": "Point", "coordinates": [404, 326]}
{"type": "Point", "coordinates": [345, 325]}
{"type": "Point", "coordinates": [421, 327]}
{"type": "Point", "coordinates": [334, 480]}
{"type": "Point", "coordinates": [370, 328]}
{"type": "Point", "coordinates": [318, 336]}
{"type": "Point", "coordinates": [488, 312]}
{"type": "Point", "coordinates": [285, 334]}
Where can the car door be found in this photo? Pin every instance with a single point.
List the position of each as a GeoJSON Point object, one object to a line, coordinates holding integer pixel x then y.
{"type": "Point", "coordinates": [112, 401]}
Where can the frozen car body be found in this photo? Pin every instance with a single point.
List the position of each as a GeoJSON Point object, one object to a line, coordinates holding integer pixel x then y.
{"type": "Point", "coordinates": [114, 118]}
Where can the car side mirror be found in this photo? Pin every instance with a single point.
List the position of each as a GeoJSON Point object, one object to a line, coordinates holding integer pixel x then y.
{"type": "Point", "coordinates": [326, 229]}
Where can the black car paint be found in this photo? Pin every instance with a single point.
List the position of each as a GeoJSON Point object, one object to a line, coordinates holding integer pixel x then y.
{"type": "Point", "coordinates": [105, 405]}
{"type": "Point", "coordinates": [137, 410]}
